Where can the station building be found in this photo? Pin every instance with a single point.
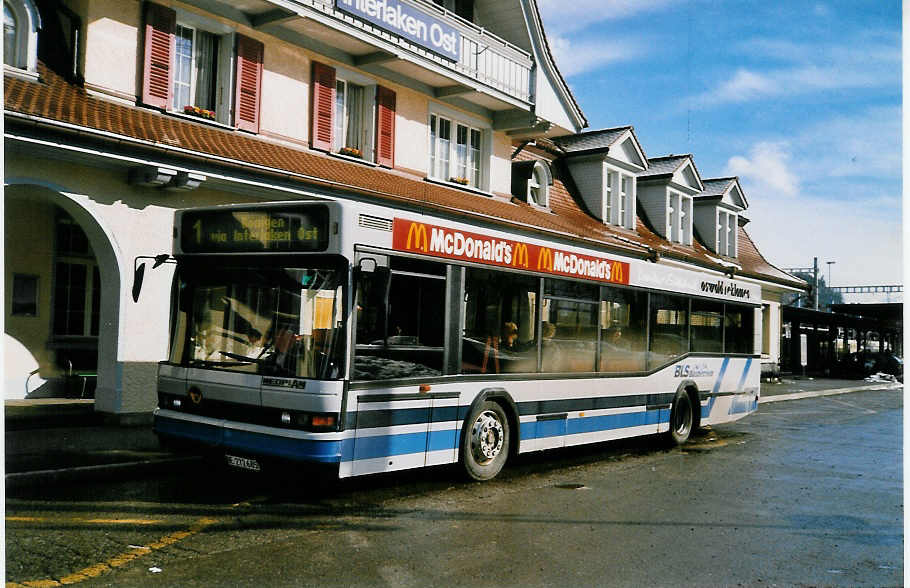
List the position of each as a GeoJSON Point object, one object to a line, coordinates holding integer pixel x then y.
{"type": "Point", "coordinates": [119, 112]}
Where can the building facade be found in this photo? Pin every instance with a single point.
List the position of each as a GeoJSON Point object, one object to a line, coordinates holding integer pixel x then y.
{"type": "Point", "coordinates": [119, 112]}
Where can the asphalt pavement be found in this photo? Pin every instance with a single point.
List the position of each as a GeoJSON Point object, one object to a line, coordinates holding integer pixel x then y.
{"type": "Point", "coordinates": [59, 441]}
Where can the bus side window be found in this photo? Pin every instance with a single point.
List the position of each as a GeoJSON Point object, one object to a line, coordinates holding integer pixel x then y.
{"type": "Point", "coordinates": [499, 333]}
{"type": "Point", "coordinates": [400, 321]}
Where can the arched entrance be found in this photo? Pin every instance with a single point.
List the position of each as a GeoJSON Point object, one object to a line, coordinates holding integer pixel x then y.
{"type": "Point", "coordinates": [63, 301]}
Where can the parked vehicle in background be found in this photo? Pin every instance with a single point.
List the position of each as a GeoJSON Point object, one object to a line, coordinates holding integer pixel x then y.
{"type": "Point", "coordinates": [866, 363]}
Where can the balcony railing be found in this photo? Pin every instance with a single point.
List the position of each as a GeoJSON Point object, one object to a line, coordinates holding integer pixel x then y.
{"type": "Point", "coordinates": [483, 57]}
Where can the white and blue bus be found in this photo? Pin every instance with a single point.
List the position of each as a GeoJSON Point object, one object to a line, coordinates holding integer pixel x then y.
{"type": "Point", "coordinates": [373, 340]}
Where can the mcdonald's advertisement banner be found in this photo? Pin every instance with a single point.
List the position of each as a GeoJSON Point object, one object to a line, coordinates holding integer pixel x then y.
{"type": "Point", "coordinates": [465, 246]}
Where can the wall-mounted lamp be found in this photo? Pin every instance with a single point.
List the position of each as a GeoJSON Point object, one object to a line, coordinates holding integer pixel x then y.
{"type": "Point", "coordinates": [151, 176]}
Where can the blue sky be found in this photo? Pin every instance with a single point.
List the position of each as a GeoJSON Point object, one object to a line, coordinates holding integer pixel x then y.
{"type": "Point", "coordinates": [801, 100]}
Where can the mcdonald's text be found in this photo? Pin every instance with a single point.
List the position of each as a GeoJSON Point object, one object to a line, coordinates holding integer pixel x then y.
{"type": "Point", "coordinates": [449, 243]}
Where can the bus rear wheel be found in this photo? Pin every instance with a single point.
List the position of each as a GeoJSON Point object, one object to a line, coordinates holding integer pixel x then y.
{"type": "Point", "coordinates": [682, 418]}
{"type": "Point", "coordinates": [485, 446]}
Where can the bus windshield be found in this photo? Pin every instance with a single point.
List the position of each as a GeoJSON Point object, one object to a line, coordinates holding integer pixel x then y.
{"type": "Point", "coordinates": [273, 321]}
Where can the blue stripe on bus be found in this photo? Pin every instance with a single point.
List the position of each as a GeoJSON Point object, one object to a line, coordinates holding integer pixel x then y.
{"type": "Point", "coordinates": [296, 449]}
{"type": "Point", "coordinates": [402, 444]}
{"type": "Point", "coordinates": [386, 445]}
{"type": "Point", "coordinates": [253, 443]}
{"type": "Point", "coordinates": [607, 422]}
{"type": "Point", "coordinates": [742, 379]}
{"type": "Point", "coordinates": [706, 410]}
{"type": "Point", "coordinates": [442, 440]}
{"type": "Point", "coordinates": [201, 432]}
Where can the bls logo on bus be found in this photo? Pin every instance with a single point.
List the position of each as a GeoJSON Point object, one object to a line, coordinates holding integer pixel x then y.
{"type": "Point", "coordinates": [692, 371]}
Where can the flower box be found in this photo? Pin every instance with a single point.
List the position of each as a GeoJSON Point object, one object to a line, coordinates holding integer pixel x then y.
{"type": "Point", "coordinates": [200, 112]}
{"type": "Point", "coordinates": [462, 181]}
{"type": "Point", "coordinates": [351, 152]}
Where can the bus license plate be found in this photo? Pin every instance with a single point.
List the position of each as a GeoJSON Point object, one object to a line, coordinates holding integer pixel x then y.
{"type": "Point", "coordinates": [244, 463]}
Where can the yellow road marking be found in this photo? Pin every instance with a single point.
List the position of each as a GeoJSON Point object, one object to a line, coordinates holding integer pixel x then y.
{"type": "Point", "coordinates": [83, 520]}
{"type": "Point", "coordinates": [118, 560]}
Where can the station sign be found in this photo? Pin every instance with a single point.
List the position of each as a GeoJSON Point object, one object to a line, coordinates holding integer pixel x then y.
{"type": "Point", "coordinates": [451, 243]}
{"type": "Point", "coordinates": [684, 281]}
{"type": "Point", "coordinates": [408, 21]}
{"type": "Point", "coordinates": [279, 229]}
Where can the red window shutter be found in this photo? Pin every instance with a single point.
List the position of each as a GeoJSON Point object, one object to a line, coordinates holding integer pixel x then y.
{"type": "Point", "coordinates": [385, 127]}
{"type": "Point", "coordinates": [249, 83]}
{"type": "Point", "coordinates": [322, 98]}
{"type": "Point", "coordinates": [160, 44]}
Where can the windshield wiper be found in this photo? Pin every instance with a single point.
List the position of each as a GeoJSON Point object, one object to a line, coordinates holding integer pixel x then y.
{"type": "Point", "coordinates": [241, 358]}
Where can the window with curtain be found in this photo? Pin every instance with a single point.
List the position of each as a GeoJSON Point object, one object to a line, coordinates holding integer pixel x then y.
{"type": "Point", "coordinates": [459, 160]}
{"type": "Point", "coordinates": [10, 28]}
{"type": "Point", "coordinates": [349, 127]}
{"type": "Point", "coordinates": [195, 70]}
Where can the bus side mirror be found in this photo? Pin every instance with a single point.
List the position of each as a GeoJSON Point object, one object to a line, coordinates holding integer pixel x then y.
{"type": "Point", "coordinates": [138, 276]}
{"type": "Point", "coordinates": [139, 270]}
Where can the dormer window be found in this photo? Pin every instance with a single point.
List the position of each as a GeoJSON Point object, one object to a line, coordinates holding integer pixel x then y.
{"type": "Point", "coordinates": [679, 218]}
{"type": "Point", "coordinates": [726, 233]}
{"type": "Point", "coordinates": [619, 198]}
{"type": "Point", "coordinates": [717, 211]}
{"type": "Point", "coordinates": [538, 192]}
{"type": "Point", "coordinates": [20, 34]}
{"type": "Point", "coordinates": [531, 181]}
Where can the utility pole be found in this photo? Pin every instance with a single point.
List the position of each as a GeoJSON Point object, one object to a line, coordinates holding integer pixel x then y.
{"type": "Point", "coordinates": [815, 274]}
{"type": "Point", "coordinates": [830, 263]}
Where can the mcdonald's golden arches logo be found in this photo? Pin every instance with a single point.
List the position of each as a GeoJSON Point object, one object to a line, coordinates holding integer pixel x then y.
{"type": "Point", "coordinates": [418, 232]}
{"type": "Point", "coordinates": [616, 272]}
{"type": "Point", "coordinates": [545, 259]}
{"type": "Point", "coordinates": [521, 255]}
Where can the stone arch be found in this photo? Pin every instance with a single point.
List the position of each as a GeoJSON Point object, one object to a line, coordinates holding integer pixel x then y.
{"type": "Point", "coordinates": [109, 259]}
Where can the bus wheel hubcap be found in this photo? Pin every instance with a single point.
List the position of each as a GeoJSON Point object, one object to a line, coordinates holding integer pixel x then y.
{"type": "Point", "coordinates": [487, 436]}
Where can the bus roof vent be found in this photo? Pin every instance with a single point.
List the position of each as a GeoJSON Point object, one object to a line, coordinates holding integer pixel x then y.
{"type": "Point", "coordinates": [374, 222]}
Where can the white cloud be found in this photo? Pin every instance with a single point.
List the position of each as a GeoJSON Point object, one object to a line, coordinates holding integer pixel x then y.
{"type": "Point", "coordinates": [810, 69]}
{"type": "Point", "coordinates": [576, 57]}
{"type": "Point", "coordinates": [866, 144]}
{"type": "Point", "coordinates": [791, 231]}
{"type": "Point", "coordinates": [768, 167]}
{"type": "Point", "coordinates": [561, 17]}
{"type": "Point", "coordinates": [856, 225]}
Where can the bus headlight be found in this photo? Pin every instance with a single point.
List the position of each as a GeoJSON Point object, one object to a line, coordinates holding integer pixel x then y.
{"type": "Point", "coordinates": [308, 421]}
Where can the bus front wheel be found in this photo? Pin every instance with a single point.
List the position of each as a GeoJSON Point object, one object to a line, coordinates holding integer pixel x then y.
{"type": "Point", "coordinates": [682, 418]}
{"type": "Point", "coordinates": [485, 446]}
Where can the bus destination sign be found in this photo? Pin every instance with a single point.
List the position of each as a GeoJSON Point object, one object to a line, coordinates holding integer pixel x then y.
{"type": "Point", "coordinates": [454, 244]}
{"type": "Point", "coordinates": [287, 229]}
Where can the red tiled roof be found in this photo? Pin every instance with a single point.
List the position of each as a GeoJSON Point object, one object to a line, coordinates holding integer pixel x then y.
{"type": "Point", "coordinates": [55, 100]}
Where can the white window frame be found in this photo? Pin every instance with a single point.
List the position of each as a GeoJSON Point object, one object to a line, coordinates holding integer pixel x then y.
{"type": "Point", "coordinates": [686, 219]}
{"type": "Point", "coordinates": [679, 217]}
{"type": "Point", "coordinates": [224, 91]}
{"type": "Point", "coordinates": [478, 177]}
{"type": "Point", "coordinates": [620, 188]}
{"type": "Point", "coordinates": [726, 223]}
{"type": "Point", "coordinates": [609, 193]}
{"type": "Point", "coordinates": [622, 211]}
{"type": "Point", "coordinates": [673, 216]}
{"type": "Point", "coordinates": [28, 21]}
{"type": "Point", "coordinates": [538, 182]}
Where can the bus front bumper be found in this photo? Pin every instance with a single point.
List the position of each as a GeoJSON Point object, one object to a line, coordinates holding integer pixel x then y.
{"type": "Point", "coordinates": [230, 436]}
